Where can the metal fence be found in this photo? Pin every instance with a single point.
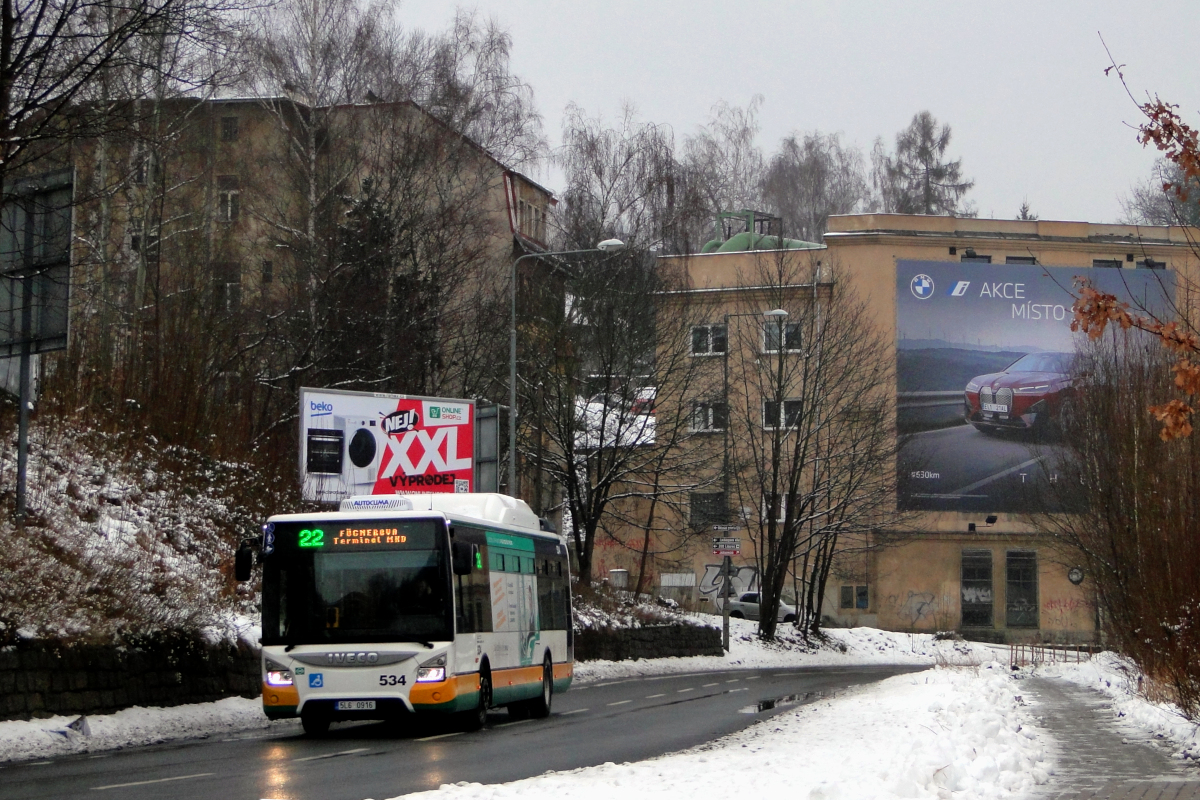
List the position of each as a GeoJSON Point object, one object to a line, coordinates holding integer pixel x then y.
{"type": "Point", "coordinates": [1024, 655]}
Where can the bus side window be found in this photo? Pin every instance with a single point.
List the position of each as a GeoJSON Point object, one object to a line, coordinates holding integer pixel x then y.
{"type": "Point", "coordinates": [472, 593]}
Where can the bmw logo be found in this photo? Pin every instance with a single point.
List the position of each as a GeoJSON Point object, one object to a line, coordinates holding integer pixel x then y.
{"type": "Point", "coordinates": [922, 287]}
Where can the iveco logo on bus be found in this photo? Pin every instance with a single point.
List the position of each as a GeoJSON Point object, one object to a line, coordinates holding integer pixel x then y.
{"type": "Point", "coordinates": [352, 659]}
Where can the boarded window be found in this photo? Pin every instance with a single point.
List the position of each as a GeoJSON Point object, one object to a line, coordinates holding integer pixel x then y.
{"type": "Point", "coordinates": [707, 509]}
{"type": "Point", "coordinates": [1021, 589]}
{"type": "Point", "coordinates": [977, 588]}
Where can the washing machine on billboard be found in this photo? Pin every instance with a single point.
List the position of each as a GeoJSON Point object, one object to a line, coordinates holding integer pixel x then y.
{"type": "Point", "coordinates": [364, 442]}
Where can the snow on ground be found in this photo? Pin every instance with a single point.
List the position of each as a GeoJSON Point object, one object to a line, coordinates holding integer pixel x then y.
{"type": "Point", "coordinates": [936, 734]}
{"type": "Point", "coordinates": [57, 736]}
{"type": "Point", "coordinates": [1119, 679]}
{"type": "Point", "coordinates": [845, 647]}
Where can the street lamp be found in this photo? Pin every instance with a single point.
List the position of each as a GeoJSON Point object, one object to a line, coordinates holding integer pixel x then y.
{"type": "Point", "coordinates": [606, 246]}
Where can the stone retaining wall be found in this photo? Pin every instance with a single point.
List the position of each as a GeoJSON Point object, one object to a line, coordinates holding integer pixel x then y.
{"type": "Point", "coordinates": [44, 679]}
{"type": "Point", "coordinates": [662, 641]}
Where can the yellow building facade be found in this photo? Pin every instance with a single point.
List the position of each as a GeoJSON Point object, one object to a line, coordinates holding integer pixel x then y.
{"type": "Point", "coordinates": [960, 550]}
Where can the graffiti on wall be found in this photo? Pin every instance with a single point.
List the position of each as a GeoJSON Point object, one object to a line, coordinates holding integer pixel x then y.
{"type": "Point", "coordinates": [915, 609]}
{"type": "Point", "coordinates": [745, 579]}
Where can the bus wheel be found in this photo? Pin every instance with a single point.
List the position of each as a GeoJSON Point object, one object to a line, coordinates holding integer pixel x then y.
{"type": "Point", "coordinates": [316, 723]}
{"type": "Point", "coordinates": [539, 707]}
{"type": "Point", "coordinates": [476, 718]}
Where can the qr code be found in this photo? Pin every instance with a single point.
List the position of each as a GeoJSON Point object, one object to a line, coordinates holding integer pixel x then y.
{"type": "Point", "coordinates": [461, 486]}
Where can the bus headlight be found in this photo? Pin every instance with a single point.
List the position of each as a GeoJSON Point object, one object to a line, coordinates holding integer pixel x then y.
{"type": "Point", "coordinates": [278, 675]}
{"type": "Point", "coordinates": [433, 670]}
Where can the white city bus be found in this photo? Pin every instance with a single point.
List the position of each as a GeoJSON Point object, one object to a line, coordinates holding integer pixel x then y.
{"type": "Point", "coordinates": [435, 603]}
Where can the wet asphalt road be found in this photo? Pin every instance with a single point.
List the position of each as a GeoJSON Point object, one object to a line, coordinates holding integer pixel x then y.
{"type": "Point", "coordinates": [622, 720]}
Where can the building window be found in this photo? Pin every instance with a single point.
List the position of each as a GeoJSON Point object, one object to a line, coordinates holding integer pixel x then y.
{"type": "Point", "coordinates": [708, 416]}
{"type": "Point", "coordinates": [975, 259]}
{"type": "Point", "coordinates": [141, 165]}
{"type": "Point", "coordinates": [268, 272]}
{"type": "Point", "coordinates": [1020, 260]}
{"type": "Point", "coordinates": [1150, 263]}
{"type": "Point", "coordinates": [709, 340]}
{"type": "Point", "coordinates": [857, 597]}
{"type": "Point", "coordinates": [977, 588]}
{"type": "Point", "coordinates": [774, 506]}
{"type": "Point", "coordinates": [1021, 589]}
{"type": "Point", "coordinates": [228, 198]}
{"type": "Point", "coordinates": [227, 287]}
{"type": "Point", "coordinates": [145, 244]}
{"type": "Point", "coordinates": [1106, 263]}
{"type": "Point", "coordinates": [791, 336]}
{"type": "Point", "coordinates": [791, 413]}
{"type": "Point", "coordinates": [229, 129]}
{"type": "Point", "coordinates": [706, 509]}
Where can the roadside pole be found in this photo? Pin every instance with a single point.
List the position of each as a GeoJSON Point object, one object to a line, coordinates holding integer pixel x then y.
{"type": "Point", "coordinates": [726, 546]}
{"type": "Point", "coordinates": [727, 570]}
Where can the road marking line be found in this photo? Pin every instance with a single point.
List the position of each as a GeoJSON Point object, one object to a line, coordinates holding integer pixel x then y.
{"type": "Point", "coordinates": [739, 689]}
{"type": "Point", "coordinates": [735, 680]}
{"type": "Point", "coordinates": [576, 711]}
{"type": "Point", "coordinates": [754, 677]}
{"type": "Point", "coordinates": [652, 696]}
{"type": "Point", "coordinates": [705, 686]}
{"type": "Point", "coordinates": [332, 755]}
{"type": "Point", "coordinates": [38, 763]}
{"type": "Point", "coordinates": [620, 702]}
{"type": "Point", "coordinates": [518, 722]}
{"type": "Point", "coordinates": [439, 736]}
{"type": "Point", "coordinates": [147, 783]}
{"type": "Point", "coordinates": [684, 690]}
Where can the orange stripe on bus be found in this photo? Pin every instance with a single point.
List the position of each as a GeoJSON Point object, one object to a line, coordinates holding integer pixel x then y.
{"type": "Point", "coordinates": [280, 695]}
{"type": "Point", "coordinates": [444, 691]}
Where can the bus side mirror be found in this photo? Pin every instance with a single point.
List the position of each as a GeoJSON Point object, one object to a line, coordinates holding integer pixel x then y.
{"type": "Point", "coordinates": [462, 557]}
{"type": "Point", "coordinates": [243, 562]}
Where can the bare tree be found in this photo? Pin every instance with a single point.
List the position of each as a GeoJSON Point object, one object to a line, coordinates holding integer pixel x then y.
{"type": "Point", "coordinates": [812, 432]}
{"type": "Point", "coordinates": [916, 179]}
{"type": "Point", "coordinates": [1154, 201]}
{"type": "Point", "coordinates": [724, 160]}
{"type": "Point", "coordinates": [811, 177]}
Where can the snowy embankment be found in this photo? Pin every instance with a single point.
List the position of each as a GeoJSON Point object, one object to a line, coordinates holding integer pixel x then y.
{"type": "Point", "coordinates": [844, 647]}
{"type": "Point", "coordinates": [133, 727]}
{"type": "Point", "coordinates": [1122, 682]}
{"type": "Point", "coordinates": [961, 730]}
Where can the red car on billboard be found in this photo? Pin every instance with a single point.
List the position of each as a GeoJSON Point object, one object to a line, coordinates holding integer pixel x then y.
{"type": "Point", "coordinates": [1025, 396]}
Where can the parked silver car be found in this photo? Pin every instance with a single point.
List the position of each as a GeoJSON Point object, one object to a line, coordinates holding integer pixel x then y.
{"type": "Point", "coordinates": [746, 607]}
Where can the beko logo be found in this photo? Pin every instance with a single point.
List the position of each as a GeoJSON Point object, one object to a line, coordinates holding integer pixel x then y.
{"type": "Point", "coordinates": [320, 409]}
{"type": "Point", "coordinates": [959, 289]}
{"type": "Point", "coordinates": [352, 658]}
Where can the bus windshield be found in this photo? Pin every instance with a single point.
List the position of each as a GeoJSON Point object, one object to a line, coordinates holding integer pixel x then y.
{"type": "Point", "coordinates": [357, 581]}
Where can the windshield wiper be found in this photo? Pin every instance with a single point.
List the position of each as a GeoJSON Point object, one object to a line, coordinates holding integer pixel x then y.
{"type": "Point", "coordinates": [427, 644]}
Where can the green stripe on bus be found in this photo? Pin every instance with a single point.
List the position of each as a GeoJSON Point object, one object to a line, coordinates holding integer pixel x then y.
{"type": "Point", "coordinates": [506, 540]}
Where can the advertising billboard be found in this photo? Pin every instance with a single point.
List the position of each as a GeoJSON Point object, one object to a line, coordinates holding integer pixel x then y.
{"type": "Point", "coordinates": [368, 443]}
{"type": "Point", "coordinates": [983, 364]}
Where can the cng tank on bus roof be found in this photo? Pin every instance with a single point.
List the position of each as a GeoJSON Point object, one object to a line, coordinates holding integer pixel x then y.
{"type": "Point", "coordinates": [497, 508]}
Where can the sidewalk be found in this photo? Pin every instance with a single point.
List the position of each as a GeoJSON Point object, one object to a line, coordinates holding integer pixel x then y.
{"type": "Point", "coordinates": [1095, 759]}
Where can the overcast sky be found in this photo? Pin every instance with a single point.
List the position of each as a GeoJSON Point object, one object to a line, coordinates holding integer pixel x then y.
{"type": "Point", "coordinates": [1021, 84]}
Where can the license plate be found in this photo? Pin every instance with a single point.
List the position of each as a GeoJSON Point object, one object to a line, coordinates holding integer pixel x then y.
{"type": "Point", "coordinates": [997, 407]}
{"type": "Point", "coordinates": [355, 705]}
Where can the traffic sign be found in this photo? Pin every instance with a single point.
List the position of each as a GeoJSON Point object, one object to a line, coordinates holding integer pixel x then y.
{"type": "Point", "coordinates": [733, 527]}
{"type": "Point", "coordinates": [726, 546]}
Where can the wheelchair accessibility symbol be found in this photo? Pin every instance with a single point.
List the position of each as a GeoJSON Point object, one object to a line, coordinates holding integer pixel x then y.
{"type": "Point", "coordinates": [316, 680]}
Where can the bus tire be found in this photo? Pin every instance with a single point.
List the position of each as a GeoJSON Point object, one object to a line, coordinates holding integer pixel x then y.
{"type": "Point", "coordinates": [476, 718]}
{"type": "Point", "coordinates": [315, 722]}
{"type": "Point", "coordinates": [539, 707]}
